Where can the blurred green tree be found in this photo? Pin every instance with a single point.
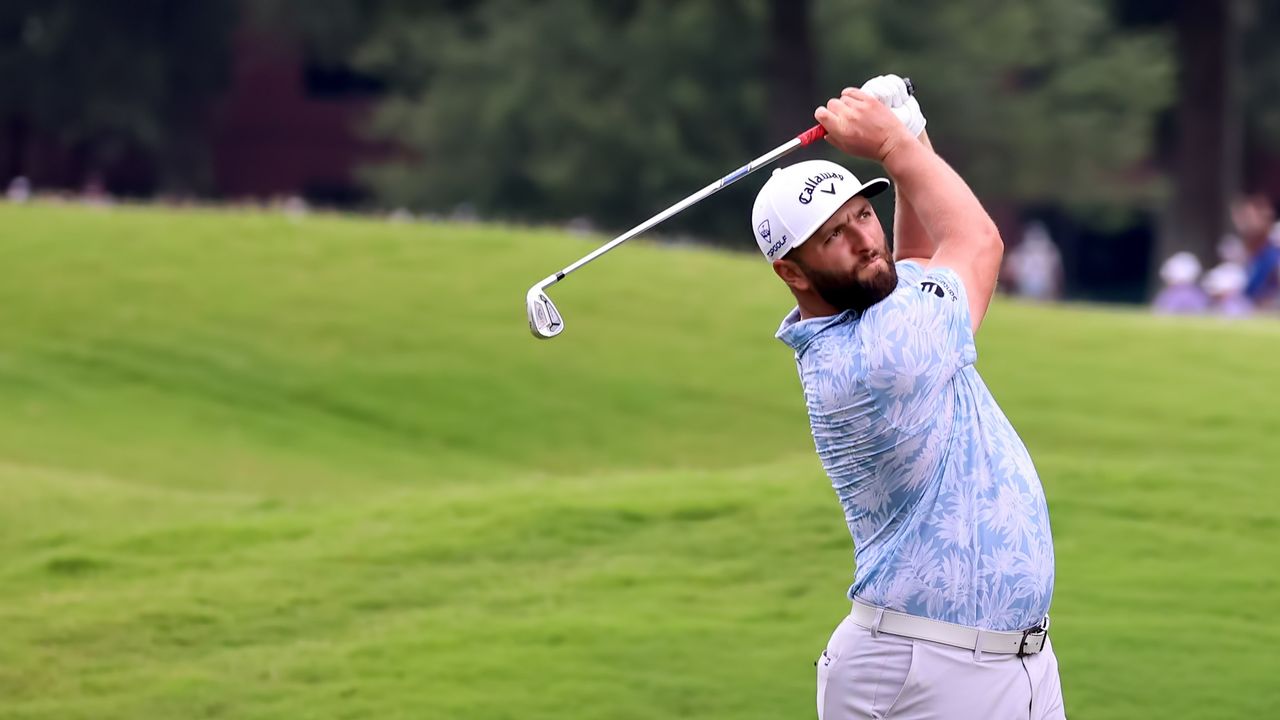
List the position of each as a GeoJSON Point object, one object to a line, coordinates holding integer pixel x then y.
{"type": "Point", "coordinates": [556, 109]}
{"type": "Point", "coordinates": [111, 77]}
{"type": "Point", "coordinates": [1260, 20]}
{"type": "Point", "coordinates": [1033, 101]}
{"type": "Point", "coordinates": [1220, 137]}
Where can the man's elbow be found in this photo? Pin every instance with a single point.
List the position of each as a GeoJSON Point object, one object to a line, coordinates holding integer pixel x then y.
{"type": "Point", "coordinates": [989, 242]}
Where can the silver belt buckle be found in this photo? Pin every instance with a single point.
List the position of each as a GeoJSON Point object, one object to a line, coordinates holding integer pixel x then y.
{"type": "Point", "coordinates": [1033, 638]}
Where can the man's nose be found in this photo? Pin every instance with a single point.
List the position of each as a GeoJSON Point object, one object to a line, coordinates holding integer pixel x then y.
{"type": "Point", "coordinates": [861, 243]}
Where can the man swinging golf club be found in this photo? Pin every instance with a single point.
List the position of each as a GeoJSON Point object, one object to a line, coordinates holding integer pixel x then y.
{"type": "Point", "coordinates": [950, 526]}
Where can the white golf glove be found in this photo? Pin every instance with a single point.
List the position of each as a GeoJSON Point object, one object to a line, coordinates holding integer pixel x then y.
{"type": "Point", "coordinates": [892, 91]}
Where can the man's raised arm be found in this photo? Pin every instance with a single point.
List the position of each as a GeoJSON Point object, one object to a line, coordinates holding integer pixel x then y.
{"type": "Point", "coordinates": [910, 240]}
{"type": "Point", "coordinates": [968, 241]}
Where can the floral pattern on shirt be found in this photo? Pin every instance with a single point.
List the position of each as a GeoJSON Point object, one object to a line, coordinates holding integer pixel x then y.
{"type": "Point", "coordinates": [947, 513]}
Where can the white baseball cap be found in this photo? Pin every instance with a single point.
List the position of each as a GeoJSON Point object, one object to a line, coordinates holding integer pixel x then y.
{"type": "Point", "coordinates": [1182, 268]}
{"type": "Point", "coordinates": [798, 199]}
{"type": "Point", "coordinates": [1226, 279]}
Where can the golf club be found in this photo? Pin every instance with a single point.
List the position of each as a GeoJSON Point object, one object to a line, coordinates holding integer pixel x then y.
{"type": "Point", "coordinates": [545, 321]}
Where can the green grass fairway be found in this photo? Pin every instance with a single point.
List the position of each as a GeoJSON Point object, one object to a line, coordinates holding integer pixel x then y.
{"type": "Point", "coordinates": [261, 468]}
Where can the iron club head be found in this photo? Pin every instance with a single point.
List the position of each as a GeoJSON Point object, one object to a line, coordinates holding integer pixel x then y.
{"type": "Point", "coordinates": [544, 320]}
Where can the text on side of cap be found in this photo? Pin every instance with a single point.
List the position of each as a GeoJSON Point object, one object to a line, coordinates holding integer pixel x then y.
{"type": "Point", "coordinates": [763, 229]}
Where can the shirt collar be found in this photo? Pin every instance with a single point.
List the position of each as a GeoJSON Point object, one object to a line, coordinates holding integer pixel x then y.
{"type": "Point", "coordinates": [797, 333]}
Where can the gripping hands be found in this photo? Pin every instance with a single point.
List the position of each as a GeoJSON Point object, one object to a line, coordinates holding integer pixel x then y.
{"type": "Point", "coordinates": [892, 91]}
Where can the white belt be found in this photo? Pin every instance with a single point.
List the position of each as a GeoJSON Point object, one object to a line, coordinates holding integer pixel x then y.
{"type": "Point", "coordinates": [1021, 642]}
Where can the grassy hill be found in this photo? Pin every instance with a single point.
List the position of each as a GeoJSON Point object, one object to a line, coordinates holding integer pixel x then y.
{"type": "Point", "coordinates": [261, 468]}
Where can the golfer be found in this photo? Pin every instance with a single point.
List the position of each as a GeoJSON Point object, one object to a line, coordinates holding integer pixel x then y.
{"type": "Point", "coordinates": [949, 522]}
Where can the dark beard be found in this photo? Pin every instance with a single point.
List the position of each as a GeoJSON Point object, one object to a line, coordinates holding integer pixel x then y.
{"type": "Point", "coordinates": [847, 292]}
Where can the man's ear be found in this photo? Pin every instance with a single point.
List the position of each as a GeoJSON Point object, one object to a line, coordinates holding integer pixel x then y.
{"type": "Point", "coordinates": [791, 274]}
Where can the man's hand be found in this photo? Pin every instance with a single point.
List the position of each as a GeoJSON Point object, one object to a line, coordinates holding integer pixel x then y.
{"type": "Point", "coordinates": [892, 91]}
{"type": "Point", "coordinates": [860, 125]}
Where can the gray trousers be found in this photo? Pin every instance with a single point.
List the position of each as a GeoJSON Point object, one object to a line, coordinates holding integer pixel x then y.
{"type": "Point", "coordinates": [866, 675]}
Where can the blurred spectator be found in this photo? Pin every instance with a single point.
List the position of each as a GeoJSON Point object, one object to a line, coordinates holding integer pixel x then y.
{"type": "Point", "coordinates": [95, 192]}
{"type": "Point", "coordinates": [294, 207]}
{"type": "Point", "coordinates": [19, 190]}
{"type": "Point", "coordinates": [1231, 250]}
{"type": "Point", "coordinates": [464, 212]}
{"type": "Point", "coordinates": [580, 226]}
{"type": "Point", "coordinates": [1255, 218]}
{"type": "Point", "coordinates": [1225, 285]}
{"type": "Point", "coordinates": [1180, 294]}
{"type": "Point", "coordinates": [1035, 265]}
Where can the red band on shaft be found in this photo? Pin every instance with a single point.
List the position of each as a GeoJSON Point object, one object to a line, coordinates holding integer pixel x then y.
{"type": "Point", "coordinates": [813, 134]}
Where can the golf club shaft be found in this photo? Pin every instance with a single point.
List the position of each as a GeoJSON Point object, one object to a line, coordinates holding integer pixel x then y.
{"type": "Point", "coordinates": [808, 137]}
{"type": "Point", "coordinates": [813, 134]}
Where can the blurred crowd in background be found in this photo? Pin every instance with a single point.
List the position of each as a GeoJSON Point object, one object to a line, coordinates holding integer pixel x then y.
{"type": "Point", "coordinates": [1243, 281]}
{"type": "Point", "coordinates": [1246, 278]}
{"type": "Point", "coordinates": [1115, 142]}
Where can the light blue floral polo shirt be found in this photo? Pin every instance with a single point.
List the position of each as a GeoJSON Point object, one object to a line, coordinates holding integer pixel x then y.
{"type": "Point", "coordinates": [947, 514]}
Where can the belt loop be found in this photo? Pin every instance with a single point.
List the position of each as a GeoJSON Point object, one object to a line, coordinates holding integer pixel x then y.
{"type": "Point", "coordinates": [977, 646]}
{"type": "Point", "coordinates": [875, 624]}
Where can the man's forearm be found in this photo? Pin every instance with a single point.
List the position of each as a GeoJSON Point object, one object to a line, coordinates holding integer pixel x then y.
{"type": "Point", "coordinates": [910, 239]}
{"type": "Point", "coordinates": [941, 203]}
{"type": "Point", "coordinates": [968, 241]}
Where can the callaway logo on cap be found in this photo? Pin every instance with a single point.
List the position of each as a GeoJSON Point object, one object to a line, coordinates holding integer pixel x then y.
{"type": "Point", "coordinates": [798, 199]}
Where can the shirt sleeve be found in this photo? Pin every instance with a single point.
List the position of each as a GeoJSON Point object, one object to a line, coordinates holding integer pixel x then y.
{"type": "Point", "coordinates": [914, 343]}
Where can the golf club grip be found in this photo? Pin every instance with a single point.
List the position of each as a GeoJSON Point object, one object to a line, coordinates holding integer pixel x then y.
{"type": "Point", "coordinates": [817, 132]}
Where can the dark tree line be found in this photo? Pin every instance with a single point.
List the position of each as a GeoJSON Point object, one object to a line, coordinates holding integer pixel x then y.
{"type": "Point", "coordinates": [557, 109]}
{"type": "Point", "coordinates": [113, 78]}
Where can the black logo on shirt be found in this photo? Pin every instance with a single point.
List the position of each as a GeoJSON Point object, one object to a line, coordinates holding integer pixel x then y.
{"type": "Point", "coordinates": [932, 287]}
{"type": "Point", "coordinates": [940, 287]}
